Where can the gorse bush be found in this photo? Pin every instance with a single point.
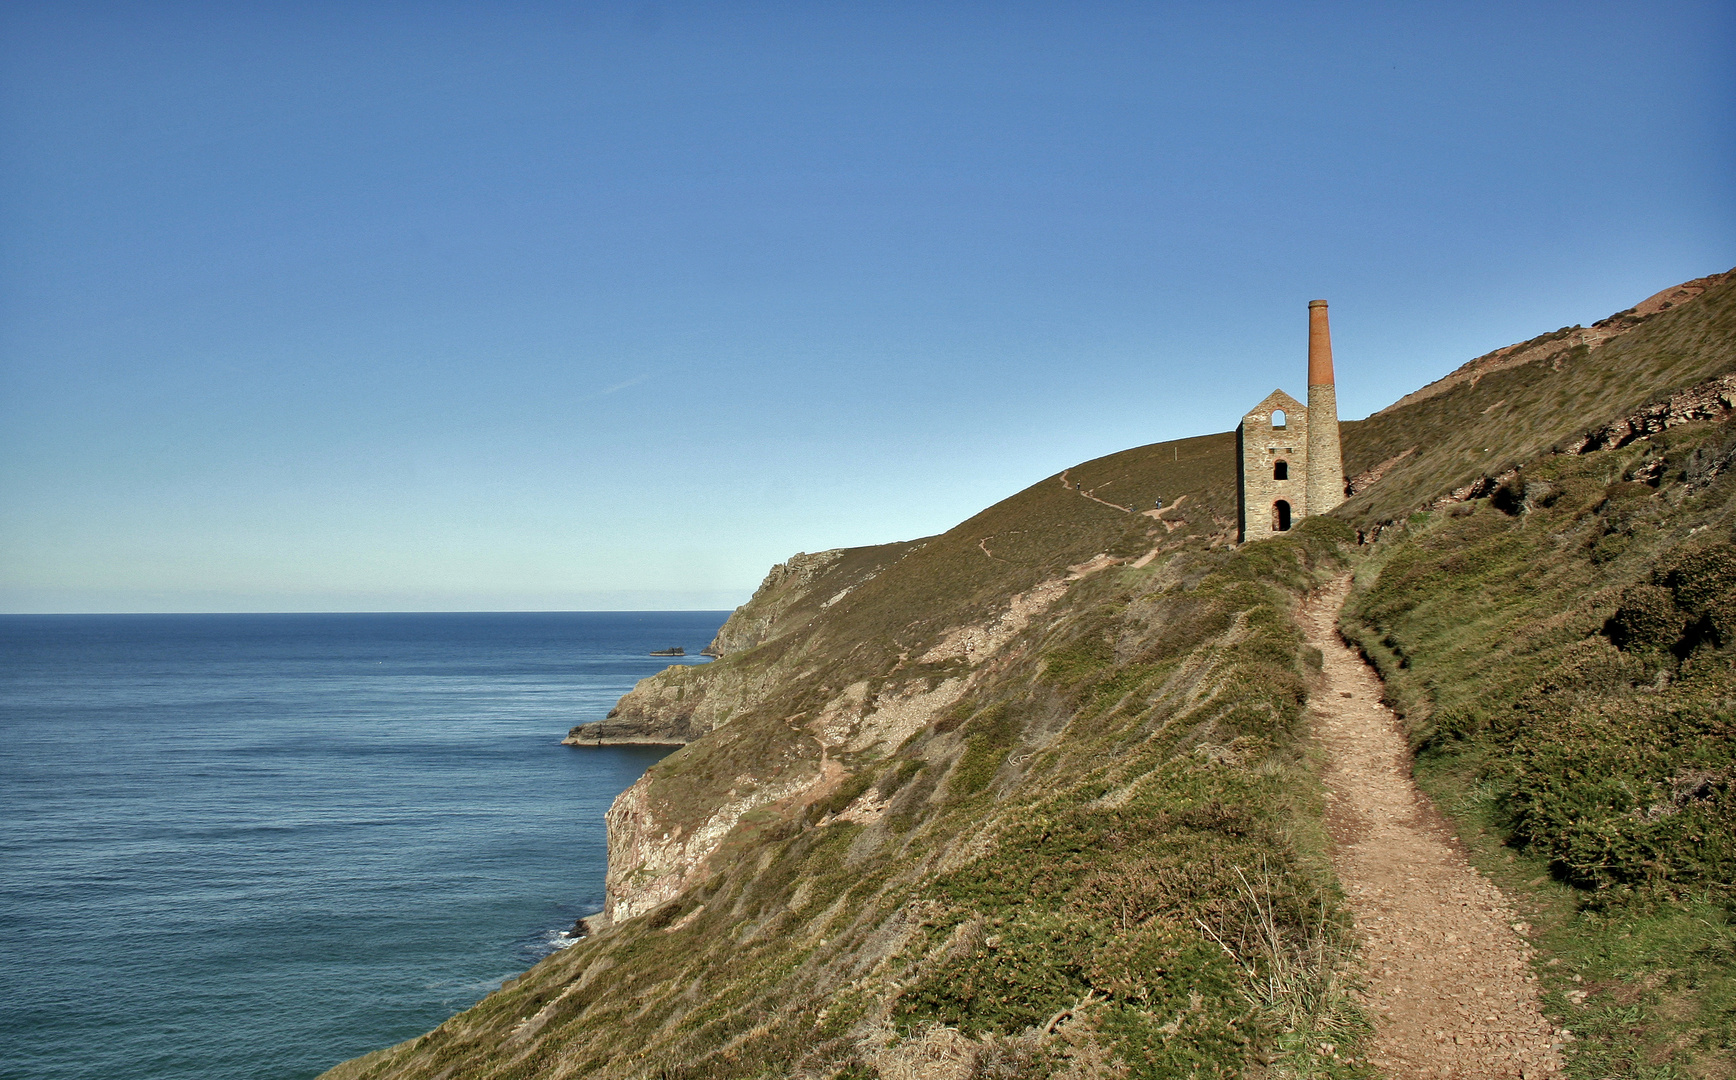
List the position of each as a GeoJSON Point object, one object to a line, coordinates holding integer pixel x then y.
{"type": "Point", "coordinates": [1635, 795]}
{"type": "Point", "coordinates": [1648, 618]}
{"type": "Point", "coordinates": [1693, 601]}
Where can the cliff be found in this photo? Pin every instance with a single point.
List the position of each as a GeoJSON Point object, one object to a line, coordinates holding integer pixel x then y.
{"type": "Point", "coordinates": [1037, 796]}
{"type": "Point", "coordinates": [872, 657]}
{"type": "Point", "coordinates": [678, 705]}
{"type": "Point", "coordinates": [794, 592]}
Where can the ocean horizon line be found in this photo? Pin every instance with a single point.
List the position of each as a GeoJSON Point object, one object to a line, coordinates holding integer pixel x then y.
{"type": "Point", "coordinates": [370, 611]}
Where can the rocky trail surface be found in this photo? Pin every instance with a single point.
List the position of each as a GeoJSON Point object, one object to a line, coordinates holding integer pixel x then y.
{"type": "Point", "coordinates": [1448, 979]}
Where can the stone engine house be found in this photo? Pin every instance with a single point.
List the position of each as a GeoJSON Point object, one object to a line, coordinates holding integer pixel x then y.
{"type": "Point", "coordinates": [1289, 464]}
{"type": "Point", "coordinates": [1272, 485]}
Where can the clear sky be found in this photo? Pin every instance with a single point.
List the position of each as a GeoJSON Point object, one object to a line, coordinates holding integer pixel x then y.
{"type": "Point", "coordinates": [399, 306]}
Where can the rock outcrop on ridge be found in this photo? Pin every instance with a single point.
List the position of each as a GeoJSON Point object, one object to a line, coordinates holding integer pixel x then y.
{"type": "Point", "coordinates": [796, 591]}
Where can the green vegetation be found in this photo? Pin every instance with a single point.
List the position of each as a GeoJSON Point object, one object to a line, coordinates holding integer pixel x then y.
{"type": "Point", "coordinates": [1146, 896]}
{"type": "Point", "coordinates": [1103, 853]}
{"type": "Point", "coordinates": [902, 599]}
{"type": "Point", "coordinates": [1565, 661]}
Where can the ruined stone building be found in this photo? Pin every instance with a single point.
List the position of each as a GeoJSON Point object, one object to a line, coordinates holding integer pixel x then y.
{"type": "Point", "coordinates": [1289, 465]}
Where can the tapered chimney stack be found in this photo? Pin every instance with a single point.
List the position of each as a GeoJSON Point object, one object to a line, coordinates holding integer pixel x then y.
{"type": "Point", "coordinates": [1325, 460]}
{"type": "Point", "coordinates": [1319, 345]}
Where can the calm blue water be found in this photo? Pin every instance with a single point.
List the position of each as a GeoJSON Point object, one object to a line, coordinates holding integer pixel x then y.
{"type": "Point", "coordinates": [255, 845]}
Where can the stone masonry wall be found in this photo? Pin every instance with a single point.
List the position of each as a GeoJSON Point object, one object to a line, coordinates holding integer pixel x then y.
{"type": "Point", "coordinates": [1325, 457]}
{"type": "Point", "coordinates": [1262, 446]}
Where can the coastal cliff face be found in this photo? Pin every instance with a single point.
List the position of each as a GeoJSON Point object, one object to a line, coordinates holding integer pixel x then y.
{"type": "Point", "coordinates": [670, 708]}
{"type": "Point", "coordinates": [795, 592]}
{"type": "Point", "coordinates": [852, 666]}
{"type": "Point", "coordinates": [1035, 796]}
{"type": "Point", "coordinates": [683, 702]}
{"type": "Point", "coordinates": [785, 584]}
{"type": "Point", "coordinates": [656, 852]}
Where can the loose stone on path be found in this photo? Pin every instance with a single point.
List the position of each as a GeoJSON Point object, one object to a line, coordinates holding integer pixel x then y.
{"type": "Point", "coordinates": [1449, 981]}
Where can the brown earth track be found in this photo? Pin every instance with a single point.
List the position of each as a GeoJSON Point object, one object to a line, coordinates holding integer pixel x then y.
{"type": "Point", "coordinates": [1448, 978]}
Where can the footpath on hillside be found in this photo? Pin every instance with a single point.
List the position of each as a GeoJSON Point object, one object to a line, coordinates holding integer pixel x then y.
{"type": "Point", "coordinates": [1448, 980]}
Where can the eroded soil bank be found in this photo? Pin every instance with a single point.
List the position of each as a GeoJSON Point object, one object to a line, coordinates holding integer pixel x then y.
{"type": "Point", "coordinates": [1449, 982]}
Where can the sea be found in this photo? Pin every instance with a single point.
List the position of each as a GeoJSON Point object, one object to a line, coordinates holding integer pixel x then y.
{"type": "Point", "coordinates": [253, 846]}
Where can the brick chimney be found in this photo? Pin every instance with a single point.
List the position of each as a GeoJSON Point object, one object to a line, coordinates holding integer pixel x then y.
{"type": "Point", "coordinates": [1325, 461]}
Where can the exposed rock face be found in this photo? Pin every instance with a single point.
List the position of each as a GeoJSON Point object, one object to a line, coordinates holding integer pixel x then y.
{"type": "Point", "coordinates": [678, 704]}
{"type": "Point", "coordinates": [656, 853]}
{"type": "Point", "coordinates": [794, 592]}
{"type": "Point", "coordinates": [1711, 400]}
{"type": "Point", "coordinates": [671, 708]}
{"type": "Point", "coordinates": [786, 584]}
{"type": "Point", "coordinates": [652, 861]}
{"type": "Point", "coordinates": [1362, 481]}
{"type": "Point", "coordinates": [659, 846]}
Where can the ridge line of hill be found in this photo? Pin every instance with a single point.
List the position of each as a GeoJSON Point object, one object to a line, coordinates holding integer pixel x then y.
{"type": "Point", "coordinates": [1550, 346]}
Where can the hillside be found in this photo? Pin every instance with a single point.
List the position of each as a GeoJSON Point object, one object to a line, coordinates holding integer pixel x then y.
{"type": "Point", "coordinates": [1481, 428]}
{"type": "Point", "coordinates": [1039, 795]}
{"type": "Point", "coordinates": [1567, 343]}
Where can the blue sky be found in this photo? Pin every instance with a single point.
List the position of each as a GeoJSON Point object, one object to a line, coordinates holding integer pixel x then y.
{"type": "Point", "coordinates": [330, 306]}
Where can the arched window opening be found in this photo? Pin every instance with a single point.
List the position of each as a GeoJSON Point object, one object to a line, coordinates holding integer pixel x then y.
{"type": "Point", "coordinates": [1280, 516]}
{"type": "Point", "coordinates": [1281, 470]}
{"type": "Point", "coordinates": [1278, 418]}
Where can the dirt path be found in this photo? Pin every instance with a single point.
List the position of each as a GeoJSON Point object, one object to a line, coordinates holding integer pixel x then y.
{"type": "Point", "coordinates": [1092, 494]}
{"type": "Point", "coordinates": [1448, 980]}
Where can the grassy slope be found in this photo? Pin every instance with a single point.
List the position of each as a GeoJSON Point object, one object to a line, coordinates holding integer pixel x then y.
{"type": "Point", "coordinates": [795, 593]}
{"type": "Point", "coordinates": [944, 582]}
{"type": "Point", "coordinates": [1015, 874]}
{"type": "Point", "coordinates": [1563, 656]}
{"type": "Point", "coordinates": [1580, 721]}
{"type": "Point", "coordinates": [1120, 821]}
